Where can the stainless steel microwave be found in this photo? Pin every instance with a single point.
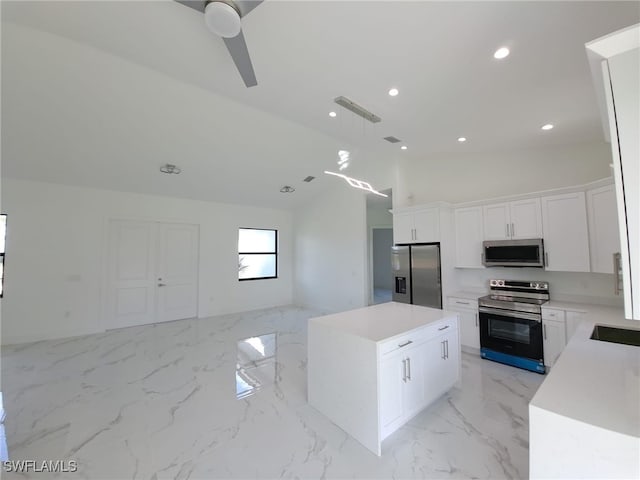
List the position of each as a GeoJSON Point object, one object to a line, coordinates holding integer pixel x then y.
{"type": "Point", "coordinates": [513, 253]}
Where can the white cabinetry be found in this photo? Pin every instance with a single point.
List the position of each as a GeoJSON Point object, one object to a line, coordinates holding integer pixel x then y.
{"type": "Point", "coordinates": [553, 340]}
{"type": "Point", "coordinates": [558, 326]}
{"type": "Point", "coordinates": [573, 319]}
{"type": "Point", "coordinates": [469, 237]}
{"type": "Point", "coordinates": [417, 226]}
{"type": "Point", "coordinates": [604, 237]}
{"type": "Point", "coordinates": [417, 370]}
{"type": "Point", "coordinates": [615, 64]}
{"type": "Point", "coordinates": [441, 362]}
{"type": "Point", "coordinates": [513, 220]}
{"type": "Point", "coordinates": [566, 240]}
{"type": "Point", "coordinates": [469, 323]}
{"type": "Point", "coordinates": [371, 369]}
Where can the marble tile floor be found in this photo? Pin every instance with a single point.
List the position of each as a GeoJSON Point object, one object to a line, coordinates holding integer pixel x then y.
{"type": "Point", "coordinates": [162, 401]}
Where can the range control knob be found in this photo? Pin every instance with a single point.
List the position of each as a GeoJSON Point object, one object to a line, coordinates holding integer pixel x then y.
{"type": "Point", "coordinates": [501, 283]}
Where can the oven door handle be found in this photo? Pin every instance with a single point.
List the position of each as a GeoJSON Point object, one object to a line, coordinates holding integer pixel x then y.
{"type": "Point", "coordinates": [507, 313]}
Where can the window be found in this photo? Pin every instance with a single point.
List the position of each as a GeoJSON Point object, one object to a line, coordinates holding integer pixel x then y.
{"type": "Point", "coordinates": [257, 254]}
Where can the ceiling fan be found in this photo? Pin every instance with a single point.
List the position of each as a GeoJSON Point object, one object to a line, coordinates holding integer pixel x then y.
{"type": "Point", "coordinates": [222, 17]}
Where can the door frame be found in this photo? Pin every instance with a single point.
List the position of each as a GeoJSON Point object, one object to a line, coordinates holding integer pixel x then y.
{"type": "Point", "coordinates": [106, 323]}
{"type": "Point", "coordinates": [370, 257]}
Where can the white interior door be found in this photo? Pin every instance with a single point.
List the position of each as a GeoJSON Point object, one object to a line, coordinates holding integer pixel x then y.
{"type": "Point", "coordinates": [132, 280]}
{"type": "Point", "coordinates": [153, 272]}
{"type": "Point", "coordinates": [177, 271]}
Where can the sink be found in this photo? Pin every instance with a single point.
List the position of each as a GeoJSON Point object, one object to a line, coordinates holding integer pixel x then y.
{"type": "Point", "coordinates": [625, 336]}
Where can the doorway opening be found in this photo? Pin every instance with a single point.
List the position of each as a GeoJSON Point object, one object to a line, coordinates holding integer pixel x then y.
{"type": "Point", "coordinates": [380, 233]}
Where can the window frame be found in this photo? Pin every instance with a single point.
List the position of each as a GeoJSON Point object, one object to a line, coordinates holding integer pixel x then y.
{"type": "Point", "coordinates": [275, 253]}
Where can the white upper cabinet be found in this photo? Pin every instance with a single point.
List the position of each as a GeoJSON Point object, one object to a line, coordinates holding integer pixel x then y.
{"type": "Point", "coordinates": [566, 240]}
{"type": "Point", "coordinates": [526, 219]}
{"type": "Point", "coordinates": [417, 226]}
{"type": "Point", "coordinates": [469, 237]}
{"type": "Point", "coordinates": [615, 64]}
{"type": "Point", "coordinates": [496, 221]}
{"type": "Point", "coordinates": [513, 220]}
{"type": "Point", "coordinates": [604, 238]}
{"type": "Point", "coordinates": [427, 225]}
{"type": "Point", "coordinates": [403, 231]}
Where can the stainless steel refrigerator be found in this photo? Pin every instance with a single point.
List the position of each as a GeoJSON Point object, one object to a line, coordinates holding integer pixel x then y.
{"type": "Point", "coordinates": [416, 274]}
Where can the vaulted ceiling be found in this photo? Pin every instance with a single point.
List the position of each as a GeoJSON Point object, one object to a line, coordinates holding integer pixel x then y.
{"type": "Point", "coordinates": [102, 93]}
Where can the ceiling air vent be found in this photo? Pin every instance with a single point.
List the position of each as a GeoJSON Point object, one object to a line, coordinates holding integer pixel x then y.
{"type": "Point", "coordinates": [392, 139]}
{"type": "Point", "coordinates": [308, 179]}
{"type": "Point", "coordinates": [357, 109]}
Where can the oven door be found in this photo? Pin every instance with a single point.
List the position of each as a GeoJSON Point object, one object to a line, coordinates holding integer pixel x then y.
{"type": "Point", "coordinates": [514, 333]}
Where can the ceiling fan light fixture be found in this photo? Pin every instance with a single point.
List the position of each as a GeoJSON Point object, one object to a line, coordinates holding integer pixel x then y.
{"type": "Point", "coordinates": [222, 19]}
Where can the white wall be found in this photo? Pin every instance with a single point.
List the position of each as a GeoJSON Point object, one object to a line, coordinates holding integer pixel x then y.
{"type": "Point", "coordinates": [567, 286]}
{"type": "Point", "coordinates": [330, 251]}
{"type": "Point", "coordinates": [475, 176]}
{"type": "Point", "coordinates": [57, 254]}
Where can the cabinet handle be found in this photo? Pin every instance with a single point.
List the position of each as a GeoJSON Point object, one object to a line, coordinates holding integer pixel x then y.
{"type": "Point", "coordinates": [408, 342]}
{"type": "Point", "coordinates": [462, 303]}
{"type": "Point", "coordinates": [408, 368]}
{"type": "Point", "coordinates": [404, 370]}
{"type": "Point", "coordinates": [447, 343]}
{"type": "Point", "coordinates": [507, 229]}
{"type": "Point", "coordinates": [616, 273]}
{"type": "Point", "coordinates": [544, 331]}
{"type": "Point", "coordinates": [476, 315]}
{"type": "Point", "coordinates": [444, 328]}
{"type": "Point", "coordinates": [513, 231]}
{"type": "Point", "coordinates": [546, 259]}
{"type": "Point", "coordinates": [442, 343]}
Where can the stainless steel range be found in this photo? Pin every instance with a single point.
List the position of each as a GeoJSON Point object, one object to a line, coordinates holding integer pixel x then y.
{"type": "Point", "coordinates": [511, 323]}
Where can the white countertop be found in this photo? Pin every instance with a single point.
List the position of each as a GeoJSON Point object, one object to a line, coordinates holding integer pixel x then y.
{"type": "Point", "coordinates": [469, 294]}
{"type": "Point", "coordinates": [595, 382]}
{"type": "Point", "coordinates": [383, 321]}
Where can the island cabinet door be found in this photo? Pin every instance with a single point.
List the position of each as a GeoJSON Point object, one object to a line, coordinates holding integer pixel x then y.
{"type": "Point", "coordinates": [414, 383]}
{"type": "Point", "coordinates": [441, 363]}
{"type": "Point", "coordinates": [392, 378]}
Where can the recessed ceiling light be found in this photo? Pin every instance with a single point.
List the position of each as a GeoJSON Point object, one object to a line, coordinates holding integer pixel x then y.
{"type": "Point", "coordinates": [332, 114]}
{"type": "Point", "coordinates": [403, 147]}
{"type": "Point", "coordinates": [393, 92]}
{"type": "Point", "coordinates": [548, 126]}
{"type": "Point", "coordinates": [287, 189]}
{"type": "Point", "coordinates": [462, 139]}
{"type": "Point", "coordinates": [501, 53]}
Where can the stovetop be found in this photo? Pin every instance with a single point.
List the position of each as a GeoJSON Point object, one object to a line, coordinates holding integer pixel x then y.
{"type": "Point", "coordinates": [516, 296]}
{"type": "Point", "coordinates": [513, 299]}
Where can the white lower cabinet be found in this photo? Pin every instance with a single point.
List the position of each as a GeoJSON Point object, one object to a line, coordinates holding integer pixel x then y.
{"type": "Point", "coordinates": [402, 381]}
{"type": "Point", "coordinates": [441, 363]}
{"type": "Point", "coordinates": [371, 369]}
{"type": "Point", "coordinates": [417, 374]}
{"type": "Point", "coordinates": [573, 319]}
{"type": "Point", "coordinates": [469, 322]}
{"type": "Point", "coordinates": [554, 336]}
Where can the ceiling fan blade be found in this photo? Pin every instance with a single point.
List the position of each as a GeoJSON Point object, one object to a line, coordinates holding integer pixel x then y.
{"type": "Point", "coordinates": [245, 6]}
{"type": "Point", "coordinates": [195, 4]}
{"type": "Point", "coordinates": [238, 49]}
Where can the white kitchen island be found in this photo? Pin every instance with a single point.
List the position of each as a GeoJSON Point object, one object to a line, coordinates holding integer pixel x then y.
{"type": "Point", "coordinates": [372, 369]}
